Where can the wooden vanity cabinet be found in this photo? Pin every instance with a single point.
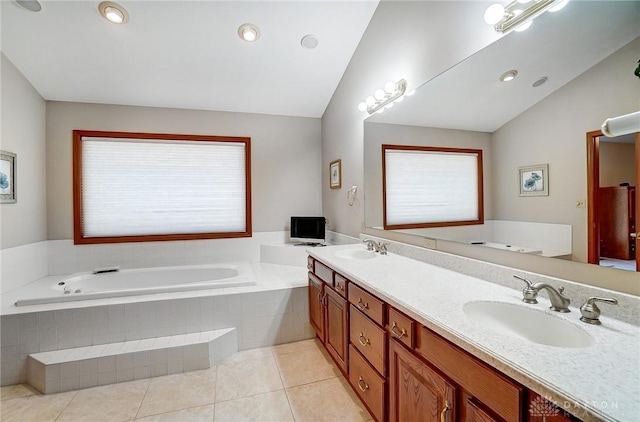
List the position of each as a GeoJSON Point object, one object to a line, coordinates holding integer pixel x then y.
{"type": "Point", "coordinates": [316, 305]}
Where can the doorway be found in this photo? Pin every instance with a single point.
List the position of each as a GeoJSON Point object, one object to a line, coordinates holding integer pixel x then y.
{"type": "Point", "coordinates": [613, 204]}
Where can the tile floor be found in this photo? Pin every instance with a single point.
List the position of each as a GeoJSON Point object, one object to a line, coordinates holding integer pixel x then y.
{"type": "Point", "coordinates": [290, 382]}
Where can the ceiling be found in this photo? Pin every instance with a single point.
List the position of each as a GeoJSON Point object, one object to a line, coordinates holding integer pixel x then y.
{"type": "Point", "coordinates": [560, 46]}
{"type": "Point", "coordinates": [187, 54]}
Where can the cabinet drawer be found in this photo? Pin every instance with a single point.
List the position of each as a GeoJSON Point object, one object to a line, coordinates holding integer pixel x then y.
{"type": "Point", "coordinates": [323, 272]}
{"type": "Point", "coordinates": [401, 327]}
{"type": "Point", "coordinates": [368, 338]}
{"type": "Point", "coordinates": [367, 303]}
{"type": "Point", "coordinates": [497, 392]}
{"type": "Point", "coordinates": [340, 285]}
{"type": "Point", "coordinates": [367, 384]}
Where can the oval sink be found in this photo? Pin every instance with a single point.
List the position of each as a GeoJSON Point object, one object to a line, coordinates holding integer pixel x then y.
{"type": "Point", "coordinates": [530, 324]}
{"type": "Point", "coordinates": [355, 254]}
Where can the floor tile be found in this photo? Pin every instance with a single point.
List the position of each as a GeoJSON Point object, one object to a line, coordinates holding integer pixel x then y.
{"type": "Point", "coordinates": [330, 400]}
{"type": "Point", "coordinates": [116, 402]}
{"type": "Point", "coordinates": [247, 378]}
{"type": "Point", "coordinates": [179, 391]}
{"type": "Point", "coordinates": [266, 407]}
{"type": "Point", "coordinates": [16, 391]}
{"type": "Point", "coordinates": [194, 414]}
{"type": "Point", "coordinates": [249, 354]}
{"type": "Point", "coordinates": [295, 347]}
{"type": "Point", "coordinates": [306, 366]}
{"type": "Point", "coordinates": [38, 407]}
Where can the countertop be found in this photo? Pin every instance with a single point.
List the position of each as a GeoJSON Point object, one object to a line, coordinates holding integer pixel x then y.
{"type": "Point", "coordinates": [599, 382]}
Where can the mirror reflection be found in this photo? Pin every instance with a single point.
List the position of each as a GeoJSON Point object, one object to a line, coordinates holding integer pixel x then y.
{"type": "Point", "coordinates": [574, 69]}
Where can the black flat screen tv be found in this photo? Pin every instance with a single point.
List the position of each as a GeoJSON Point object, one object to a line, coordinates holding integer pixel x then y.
{"type": "Point", "coordinates": [307, 230]}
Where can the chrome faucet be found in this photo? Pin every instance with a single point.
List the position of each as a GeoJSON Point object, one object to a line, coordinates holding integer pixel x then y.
{"type": "Point", "coordinates": [379, 247]}
{"type": "Point", "coordinates": [559, 302]}
{"type": "Point", "coordinates": [590, 311]}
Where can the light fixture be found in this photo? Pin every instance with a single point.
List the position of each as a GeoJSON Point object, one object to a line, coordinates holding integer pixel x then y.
{"type": "Point", "coordinates": [519, 14]}
{"type": "Point", "coordinates": [30, 5]}
{"type": "Point", "coordinates": [309, 42]}
{"type": "Point", "coordinates": [384, 98]}
{"type": "Point", "coordinates": [249, 32]}
{"type": "Point", "coordinates": [621, 125]}
{"type": "Point", "coordinates": [113, 12]}
{"type": "Point", "coordinates": [539, 82]}
{"type": "Point", "coordinates": [509, 75]}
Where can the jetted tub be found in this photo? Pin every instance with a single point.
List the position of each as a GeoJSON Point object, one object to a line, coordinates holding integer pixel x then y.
{"type": "Point", "coordinates": [118, 283]}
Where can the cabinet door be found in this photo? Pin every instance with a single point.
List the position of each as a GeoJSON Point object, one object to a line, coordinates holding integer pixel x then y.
{"type": "Point", "coordinates": [316, 310]}
{"type": "Point", "coordinates": [336, 327]}
{"type": "Point", "coordinates": [416, 392]}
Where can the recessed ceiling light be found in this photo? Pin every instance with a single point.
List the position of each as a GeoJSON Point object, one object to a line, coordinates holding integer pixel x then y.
{"type": "Point", "coordinates": [539, 82]}
{"type": "Point", "coordinates": [30, 5]}
{"type": "Point", "coordinates": [309, 41]}
{"type": "Point", "coordinates": [249, 32]}
{"type": "Point", "coordinates": [508, 75]}
{"type": "Point", "coordinates": [113, 12]}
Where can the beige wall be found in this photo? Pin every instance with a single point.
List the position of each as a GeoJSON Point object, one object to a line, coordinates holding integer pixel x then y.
{"type": "Point", "coordinates": [554, 132]}
{"type": "Point", "coordinates": [398, 43]}
{"type": "Point", "coordinates": [285, 155]}
{"type": "Point", "coordinates": [617, 163]}
{"type": "Point", "coordinates": [376, 134]}
{"type": "Point", "coordinates": [23, 133]}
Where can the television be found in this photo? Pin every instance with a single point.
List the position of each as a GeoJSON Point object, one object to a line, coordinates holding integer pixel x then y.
{"type": "Point", "coordinates": [308, 230]}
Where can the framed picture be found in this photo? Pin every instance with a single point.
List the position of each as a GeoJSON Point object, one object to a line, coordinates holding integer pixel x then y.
{"type": "Point", "coordinates": [7, 177]}
{"type": "Point", "coordinates": [534, 180]}
{"type": "Point", "coordinates": [335, 174]}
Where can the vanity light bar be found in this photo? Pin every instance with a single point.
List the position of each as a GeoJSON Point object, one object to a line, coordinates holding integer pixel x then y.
{"type": "Point", "coordinates": [517, 13]}
{"type": "Point", "coordinates": [381, 98]}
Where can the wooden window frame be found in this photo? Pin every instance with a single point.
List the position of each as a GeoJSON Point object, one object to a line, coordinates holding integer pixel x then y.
{"type": "Point", "coordinates": [480, 187]}
{"type": "Point", "coordinates": [78, 237]}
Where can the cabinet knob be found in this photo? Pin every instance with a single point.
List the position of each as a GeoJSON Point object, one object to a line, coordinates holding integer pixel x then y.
{"type": "Point", "coordinates": [362, 385]}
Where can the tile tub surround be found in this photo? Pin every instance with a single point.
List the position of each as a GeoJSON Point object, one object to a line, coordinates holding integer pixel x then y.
{"type": "Point", "coordinates": [272, 312]}
{"type": "Point", "coordinates": [434, 296]}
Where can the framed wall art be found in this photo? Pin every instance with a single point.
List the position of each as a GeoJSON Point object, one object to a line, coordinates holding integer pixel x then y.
{"type": "Point", "coordinates": [534, 180]}
{"type": "Point", "coordinates": [7, 177]}
{"type": "Point", "coordinates": [335, 174]}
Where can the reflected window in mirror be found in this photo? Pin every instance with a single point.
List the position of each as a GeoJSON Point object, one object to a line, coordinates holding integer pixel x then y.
{"type": "Point", "coordinates": [431, 187]}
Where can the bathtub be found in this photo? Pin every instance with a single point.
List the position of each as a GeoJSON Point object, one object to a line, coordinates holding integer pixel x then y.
{"type": "Point", "coordinates": [142, 281]}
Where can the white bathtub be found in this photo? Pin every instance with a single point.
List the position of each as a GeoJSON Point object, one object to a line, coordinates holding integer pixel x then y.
{"type": "Point", "coordinates": [142, 281]}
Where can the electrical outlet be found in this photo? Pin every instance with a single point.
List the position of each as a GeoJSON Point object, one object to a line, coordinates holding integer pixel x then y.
{"type": "Point", "coordinates": [580, 203]}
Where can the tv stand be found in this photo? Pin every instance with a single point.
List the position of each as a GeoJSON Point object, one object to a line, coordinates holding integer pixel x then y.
{"type": "Point", "coordinates": [312, 245]}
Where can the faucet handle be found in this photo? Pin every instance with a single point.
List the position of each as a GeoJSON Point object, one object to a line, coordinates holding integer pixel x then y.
{"type": "Point", "coordinates": [383, 248]}
{"type": "Point", "coordinates": [529, 294]}
{"type": "Point", "coordinates": [370, 243]}
{"type": "Point", "coordinates": [590, 311]}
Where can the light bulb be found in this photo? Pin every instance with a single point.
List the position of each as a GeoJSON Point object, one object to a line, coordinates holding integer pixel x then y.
{"type": "Point", "coordinates": [114, 15]}
{"type": "Point", "coordinates": [362, 106]}
{"type": "Point", "coordinates": [494, 14]}
{"type": "Point", "coordinates": [249, 34]}
{"type": "Point", "coordinates": [559, 6]}
{"type": "Point", "coordinates": [524, 26]}
{"type": "Point", "coordinates": [389, 87]}
{"type": "Point", "coordinates": [370, 100]}
{"type": "Point", "coordinates": [379, 94]}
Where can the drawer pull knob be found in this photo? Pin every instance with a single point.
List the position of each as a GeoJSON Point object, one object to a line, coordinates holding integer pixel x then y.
{"type": "Point", "coordinates": [339, 286]}
{"type": "Point", "coordinates": [361, 382]}
{"type": "Point", "coordinates": [361, 305]}
{"type": "Point", "coordinates": [443, 414]}
{"type": "Point", "coordinates": [363, 340]}
{"type": "Point", "coordinates": [397, 334]}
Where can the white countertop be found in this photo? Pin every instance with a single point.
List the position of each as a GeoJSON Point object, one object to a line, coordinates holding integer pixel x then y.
{"type": "Point", "coordinates": [600, 382]}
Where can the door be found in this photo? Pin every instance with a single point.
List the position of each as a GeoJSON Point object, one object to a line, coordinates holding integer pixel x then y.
{"type": "Point", "coordinates": [416, 392]}
{"type": "Point", "coordinates": [316, 308]}
{"type": "Point", "coordinates": [336, 327]}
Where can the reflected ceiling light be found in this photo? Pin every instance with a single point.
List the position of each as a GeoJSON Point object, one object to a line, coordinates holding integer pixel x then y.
{"type": "Point", "coordinates": [539, 82]}
{"type": "Point", "coordinates": [518, 14]}
{"type": "Point", "coordinates": [249, 32]}
{"type": "Point", "coordinates": [384, 98]}
{"type": "Point", "coordinates": [30, 5]}
{"type": "Point", "coordinates": [113, 12]}
{"type": "Point", "coordinates": [509, 75]}
{"type": "Point", "coordinates": [309, 42]}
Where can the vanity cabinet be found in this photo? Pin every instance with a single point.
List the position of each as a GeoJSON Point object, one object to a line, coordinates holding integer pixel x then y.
{"type": "Point", "coordinates": [316, 305]}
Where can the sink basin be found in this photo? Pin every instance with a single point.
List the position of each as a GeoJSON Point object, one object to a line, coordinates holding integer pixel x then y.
{"type": "Point", "coordinates": [356, 254]}
{"type": "Point", "coordinates": [528, 323]}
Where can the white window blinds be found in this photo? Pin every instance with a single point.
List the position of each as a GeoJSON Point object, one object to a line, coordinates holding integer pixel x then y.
{"type": "Point", "coordinates": [138, 187]}
{"type": "Point", "coordinates": [430, 188]}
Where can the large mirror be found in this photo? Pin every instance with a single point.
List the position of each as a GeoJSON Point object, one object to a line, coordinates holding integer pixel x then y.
{"type": "Point", "coordinates": [575, 68]}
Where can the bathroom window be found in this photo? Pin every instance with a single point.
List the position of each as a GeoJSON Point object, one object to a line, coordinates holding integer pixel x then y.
{"type": "Point", "coordinates": [135, 187]}
{"type": "Point", "coordinates": [431, 186]}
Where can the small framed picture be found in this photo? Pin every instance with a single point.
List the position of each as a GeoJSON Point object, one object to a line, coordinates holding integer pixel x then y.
{"type": "Point", "coordinates": [534, 180]}
{"type": "Point", "coordinates": [335, 174]}
{"type": "Point", "coordinates": [7, 177]}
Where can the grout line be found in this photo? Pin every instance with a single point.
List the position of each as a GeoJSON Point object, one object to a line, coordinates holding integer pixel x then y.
{"type": "Point", "coordinates": [293, 416]}
{"type": "Point", "coordinates": [143, 397]}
